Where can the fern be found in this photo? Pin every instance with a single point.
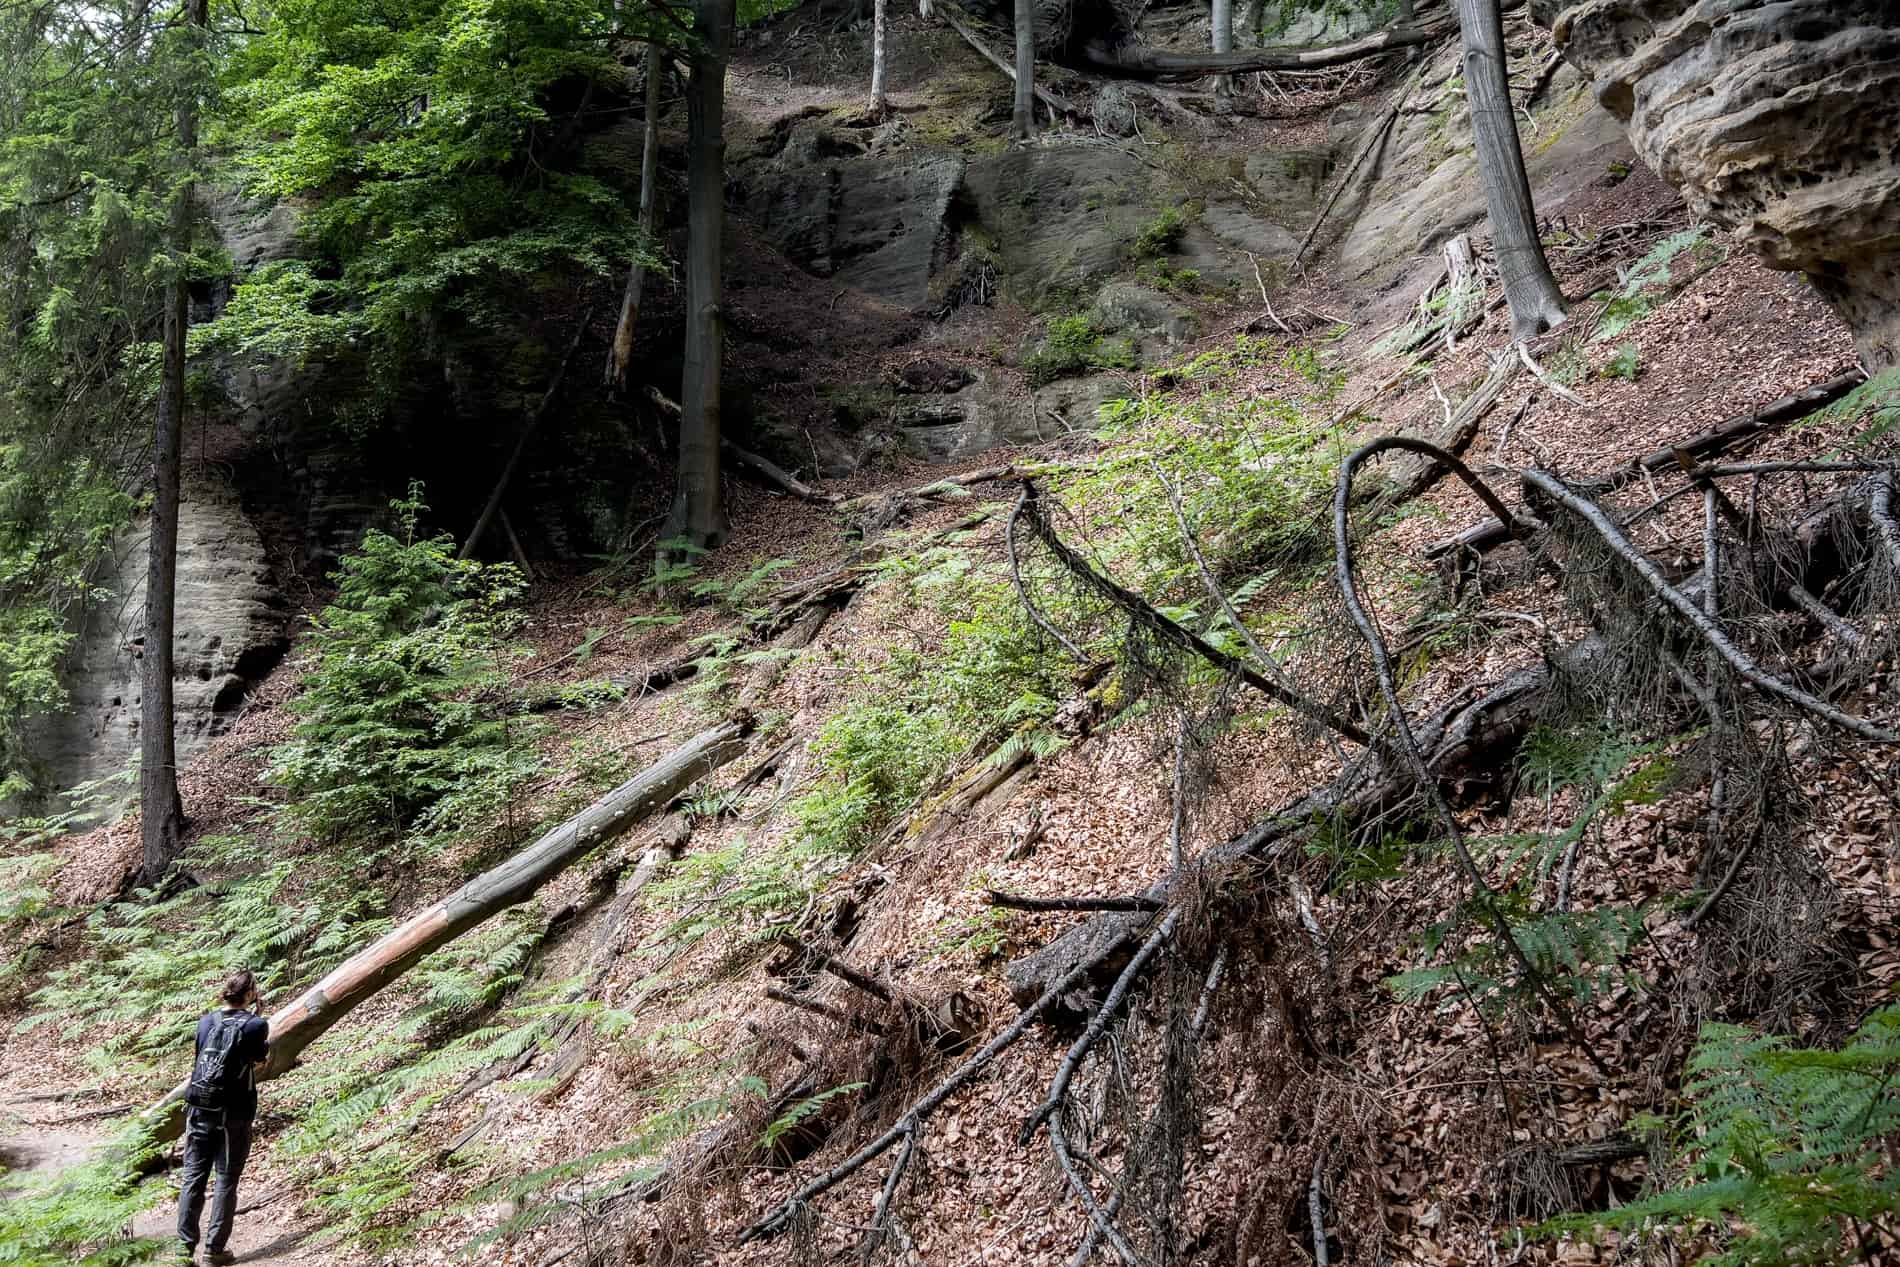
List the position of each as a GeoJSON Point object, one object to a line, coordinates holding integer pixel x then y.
{"type": "Point", "coordinates": [78, 1216]}
{"type": "Point", "coordinates": [1780, 1156]}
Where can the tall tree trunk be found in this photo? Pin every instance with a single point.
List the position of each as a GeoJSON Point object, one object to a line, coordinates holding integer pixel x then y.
{"type": "Point", "coordinates": [161, 811]}
{"type": "Point", "coordinates": [877, 57]}
{"type": "Point", "coordinates": [1022, 123]}
{"type": "Point", "coordinates": [699, 513]}
{"type": "Point", "coordinates": [620, 352]}
{"type": "Point", "coordinates": [1536, 303]}
{"type": "Point", "coordinates": [1223, 15]}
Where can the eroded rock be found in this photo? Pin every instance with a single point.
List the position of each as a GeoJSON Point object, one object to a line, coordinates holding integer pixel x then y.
{"type": "Point", "coordinates": [1778, 119]}
{"type": "Point", "coordinates": [230, 631]}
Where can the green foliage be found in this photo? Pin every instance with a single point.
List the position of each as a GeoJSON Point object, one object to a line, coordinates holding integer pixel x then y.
{"type": "Point", "coordinates": [1875, 404]}
{"type": "Point", "coordinates": [438, 180]}
{"type": "Point", "coordinates": [1782, 1155]}
{"type": "Point", "coordinates": [78, 1216]}
{"type": "Point", "coordinates": [1160, 235]}
{"type": "Point", "coordinates": [1073, 345]}
{"type": "Point", "coordinates": [1626, 364]}
{"type": "Point", "coordinates": [789, 1120]}
{"type": "Point", "coordinates": [1648, 284]}
{"type": "Point", "coordinates": [401, 725]}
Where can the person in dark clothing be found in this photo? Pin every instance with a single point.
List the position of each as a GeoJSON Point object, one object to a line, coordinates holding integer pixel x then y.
{"type": "Point", "coordinates": [220, 1108]}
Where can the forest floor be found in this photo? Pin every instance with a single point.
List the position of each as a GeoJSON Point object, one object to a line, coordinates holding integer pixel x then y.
{"type": "Point", "coordinates": [1420, 1123]}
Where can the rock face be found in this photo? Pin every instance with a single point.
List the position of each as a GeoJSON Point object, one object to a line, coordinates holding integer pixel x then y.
{"type": "Point", "coordinates": [230, 631]}
{"type": "Point", "coordinates": [1778, 118]}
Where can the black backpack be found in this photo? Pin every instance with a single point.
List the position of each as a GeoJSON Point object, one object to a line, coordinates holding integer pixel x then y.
{"type": "Point", "coordinates": [217, 1071]}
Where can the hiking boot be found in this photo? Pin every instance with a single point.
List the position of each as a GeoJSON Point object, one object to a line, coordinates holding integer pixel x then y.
{"type": "Point", "coordinates": [219, 1258]}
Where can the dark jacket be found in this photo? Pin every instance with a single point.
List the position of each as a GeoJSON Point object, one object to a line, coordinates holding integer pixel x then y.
{"type": "Point", "coordinates": [252, 1045]}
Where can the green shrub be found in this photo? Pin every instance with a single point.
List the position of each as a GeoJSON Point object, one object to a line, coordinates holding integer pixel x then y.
{"type": "Point", "coordinates": [1626, 364]}
{"type": "Point", "coordinates": [402, 725]}
{"type": "Point", "coordinates": [1159, 236]}
{"type": "Point", "coordinates": [1073, 345]}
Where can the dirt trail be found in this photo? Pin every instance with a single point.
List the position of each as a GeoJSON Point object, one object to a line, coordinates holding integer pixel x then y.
{"type": "Point", "coordinates": [46, 1133]}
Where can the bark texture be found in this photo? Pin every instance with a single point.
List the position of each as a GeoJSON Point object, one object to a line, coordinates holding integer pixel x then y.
{"type": "Point", "coordinates": [1773, 119]}
{"type": "Point", "coordinates": [161, 811]}
{"type": "Point", "coordinates": [877, 55]}
{"type": "Point", "coordinates": [699, 511]}
{"type": "Point", "coordinates": [1022, 123]}
{"type": "Point", "coordinates": [620, 352]}
{"type": "Point", "coordinates": [295, 1027]}
{"type": "Point", "coordinates": [1536, 302]}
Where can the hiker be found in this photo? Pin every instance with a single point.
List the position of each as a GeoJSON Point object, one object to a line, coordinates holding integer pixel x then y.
{"type": "Point", "coordinates": [219, 1106]}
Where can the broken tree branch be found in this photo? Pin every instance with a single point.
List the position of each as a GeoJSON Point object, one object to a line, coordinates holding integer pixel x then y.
{"type": "Point", "coordinates": [1721, 438]}
{"type": "Point", "coordinates": [521, 442]}
{"type": "Point", "coordinates": [1056, 104]}
{"type": "Point", "coordinates": [1408, 743]}
{"type": "Point", "coordinates": [1139, 609]}
{"type": "Point", "coordinates": [1019, 902]}
{"type": "Point", "coordinates": [1693, 615]}
{"type": "Point", "coordinates": [780, 1215]}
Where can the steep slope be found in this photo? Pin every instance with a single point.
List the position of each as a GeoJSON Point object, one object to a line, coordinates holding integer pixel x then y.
{"type": "Point", "coordinates": [1368, 1076]}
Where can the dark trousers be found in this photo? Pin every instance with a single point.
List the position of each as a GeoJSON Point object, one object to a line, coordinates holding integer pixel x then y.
{"type": "Point", "coordinates": [213, 1141]}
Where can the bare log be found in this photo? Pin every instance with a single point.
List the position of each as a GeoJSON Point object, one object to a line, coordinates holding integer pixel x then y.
{"type": "Point", "coordinates": [357, 979]}
{"type": "Point", "coordinates": [777, 475]}
{"type": "Point", "coordinates": [1139, 59]}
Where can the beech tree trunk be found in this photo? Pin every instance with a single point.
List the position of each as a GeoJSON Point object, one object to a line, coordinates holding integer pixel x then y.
{"type": "Point", "coordinates": [295, 1027]}
{"type": "Point", "coordinates": [1536, 302]}
{"type": "Point", "coordinates": [620, 352]}
{"type": "Point", "coordinates": [699, 513]}
{"type": "Point", "coordinates": [1022, 123]}
{"type": "Point", "coordinates": [161, 811]}
{"type": "Point", "coordinates": [877, 57]}
{"type": "Point", "coordinates": [1223, 15]}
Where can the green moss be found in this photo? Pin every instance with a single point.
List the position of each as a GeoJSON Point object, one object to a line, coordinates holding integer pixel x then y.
{"type": "Point", "coordinates": [1072, 345]}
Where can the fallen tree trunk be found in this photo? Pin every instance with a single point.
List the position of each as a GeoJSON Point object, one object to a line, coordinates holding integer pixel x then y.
{"type": "Point", "coordinates": [1139, 59]}
{"type": "Point", "coordinates": [358, 978]}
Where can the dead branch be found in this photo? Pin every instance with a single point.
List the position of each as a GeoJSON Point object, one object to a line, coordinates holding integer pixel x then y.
{"type": "Point", "coordinates": [1142, 60]}
{"type": "Point", "coordinates": [1035, 613]}
{"type": "Point", "coordinates": [1267, 663]}
{"type": "Point", "coordinates": [850, 1020]}
{"type": "Point", "coordinates": [1373, 140]}
{"type": "Point", "coordinates": [1885, 521]}
{"type": "Point", "coordinates": [1019, 902]}
{"type": "Point", "coordinates": [840, 969]}
{"type": "Point", "coordinates": [1408, 743]}
{"type": "Point", "coordinates": [881, 1214]}
{"type": "Point", "coordinates": [1097, 1026]}
{"type": "Point", "coordinates": [780, 1215]}
{"type": "Point", "coordinates": [1721, 438]}
{"type": "Point", "coordinates": [1710, 632]}
{"type": "Point", "coordinates": [294, 1027]}
{"type": "Point", "coordinates": [521, 441]}
{"type": "Point", "coordinates": [1139, 609]}
{"type": "Point", "coordinates": [1056, 104]}
{"type": "Point", "coordinates": [776, 474]}
{"type": "Point", "coordinates": [1099, 1220]}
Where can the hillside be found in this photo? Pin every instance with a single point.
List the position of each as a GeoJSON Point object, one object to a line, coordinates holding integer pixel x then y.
{"type": "Point", "coordinates": [1137, 843]}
